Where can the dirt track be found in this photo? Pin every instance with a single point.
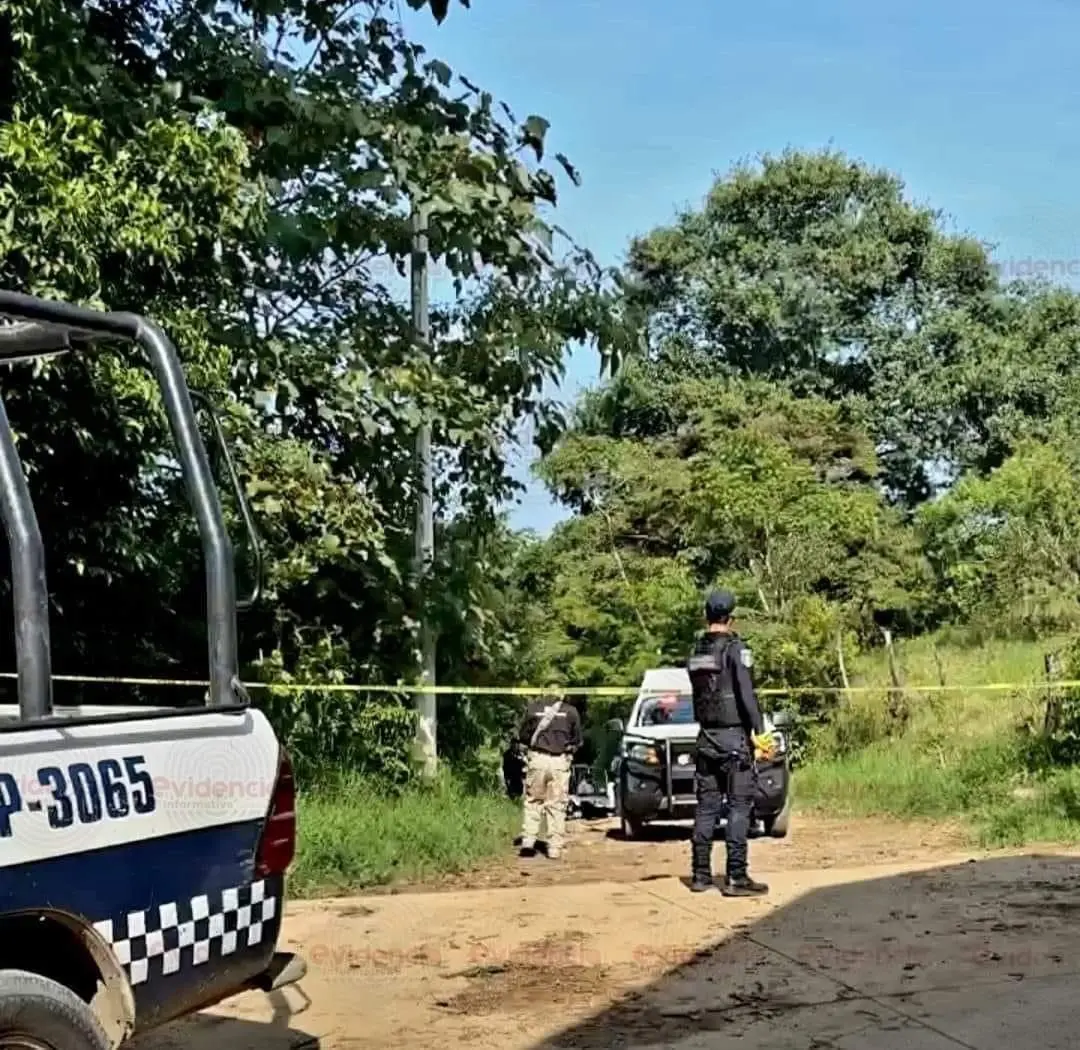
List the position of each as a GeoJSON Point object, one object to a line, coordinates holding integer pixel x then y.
{"type": "Point", "coordinates": [875, 935]}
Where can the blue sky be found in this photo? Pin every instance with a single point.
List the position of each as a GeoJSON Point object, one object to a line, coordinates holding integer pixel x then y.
{"type": "Point", "coordinates": [975, 104]}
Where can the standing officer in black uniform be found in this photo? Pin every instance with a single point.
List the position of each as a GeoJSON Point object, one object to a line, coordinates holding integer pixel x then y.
{"type": "Point", "coordinates": [731, 732]}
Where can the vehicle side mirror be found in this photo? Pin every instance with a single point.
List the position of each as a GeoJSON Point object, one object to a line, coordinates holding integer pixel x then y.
{"type": "Point", "coordinates": [616, 725]}
{"type": "Point", "coordinates": [781, 719]}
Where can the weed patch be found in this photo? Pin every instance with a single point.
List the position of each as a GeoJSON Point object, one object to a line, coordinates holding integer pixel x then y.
{"type": "Point", "coordinates": [353, 835]}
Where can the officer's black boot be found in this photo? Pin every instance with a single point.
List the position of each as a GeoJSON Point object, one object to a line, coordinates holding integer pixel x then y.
{"type": "Point", "coordinates": [743, 886]}
{"type": "Point", "coordinates": [701, 879]}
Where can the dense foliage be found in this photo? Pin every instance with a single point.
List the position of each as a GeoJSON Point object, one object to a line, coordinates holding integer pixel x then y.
{"type": "Point", "coordinates": [818, 396]}
{"type": "Point", "coordinates": [244, 173]}
{"type": "Point", "coordinates": [841, 413]}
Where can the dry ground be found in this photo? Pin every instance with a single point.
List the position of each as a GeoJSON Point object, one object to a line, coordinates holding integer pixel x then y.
{"type": "Point", "coordinates": [876, 935]}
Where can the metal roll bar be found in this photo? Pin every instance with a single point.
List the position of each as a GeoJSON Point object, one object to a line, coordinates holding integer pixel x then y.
{"type": "Point", "coordinates": [32, 328]}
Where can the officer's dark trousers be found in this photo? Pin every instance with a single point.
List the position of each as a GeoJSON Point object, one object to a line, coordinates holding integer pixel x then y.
{"type": "Point", "coordinates": [724, 766]}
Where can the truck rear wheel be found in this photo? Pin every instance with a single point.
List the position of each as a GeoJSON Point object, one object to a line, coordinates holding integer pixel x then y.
{"type": "Point", "coordinates": [776, 827]}
{"type": "Point", "coordinates": [39, 1014]}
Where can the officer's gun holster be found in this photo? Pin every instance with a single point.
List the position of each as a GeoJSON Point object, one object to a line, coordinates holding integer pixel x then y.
{"type": "Point", "coordinates": [739, 763]}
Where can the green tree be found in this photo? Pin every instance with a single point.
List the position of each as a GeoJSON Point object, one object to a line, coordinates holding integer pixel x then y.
{"type": "Point", "coordinates": [244, 173]}
{"type": "Point", "coordinates": [1005, 546]}
{"type": "Point", "coordinates": [680, 484]}
{"type": "Point", "coordinates": [815, 270]}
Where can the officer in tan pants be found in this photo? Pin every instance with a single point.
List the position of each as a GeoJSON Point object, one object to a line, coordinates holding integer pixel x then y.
{"type": "Point", "coordinates": [551, 732]}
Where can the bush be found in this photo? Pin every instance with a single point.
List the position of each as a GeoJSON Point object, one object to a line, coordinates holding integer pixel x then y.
{"type": "Point", "coordinates": [979, 757]}
{"type": "Point", "coordinates": [368, 735]}
{"type": "Point", "coordinates": [852, 727]}
{"type": "Point", "coordinates": [1059, 745]}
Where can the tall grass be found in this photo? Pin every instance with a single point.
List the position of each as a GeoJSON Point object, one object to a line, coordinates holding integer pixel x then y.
{"type": "Point", "coordinates": [353, 835]}
{"type": "Point", "coordinates": [959, 754]}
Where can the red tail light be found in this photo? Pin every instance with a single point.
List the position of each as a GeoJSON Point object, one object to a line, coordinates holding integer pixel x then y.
{"type": "Point", "coordinates": [278, 843]}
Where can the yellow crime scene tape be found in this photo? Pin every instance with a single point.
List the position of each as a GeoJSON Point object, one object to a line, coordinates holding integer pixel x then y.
{"type": "Point", "coordinates": [529, 690]}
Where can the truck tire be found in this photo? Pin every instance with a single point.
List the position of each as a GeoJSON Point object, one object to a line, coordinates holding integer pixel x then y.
{"type": "Point", "coordinates": [776, 827]}
{"type": "Point", "coordinates": [39, 1014]}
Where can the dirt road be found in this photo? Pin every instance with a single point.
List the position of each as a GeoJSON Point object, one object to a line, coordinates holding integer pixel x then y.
{"type": "Point", "coordinates": [875, 935]}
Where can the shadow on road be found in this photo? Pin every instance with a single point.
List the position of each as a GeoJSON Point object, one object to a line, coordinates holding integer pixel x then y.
{"type": "Point", "coordinates": [673, 832]}
{"type": "Point", "coordinates": [207, 1031]}
{"type": "Point", "coordinates": [981, 955]}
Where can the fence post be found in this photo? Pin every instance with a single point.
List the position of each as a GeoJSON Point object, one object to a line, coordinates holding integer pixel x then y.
{"type": "Point", "coordinates": [898, 708]}
{"type": "Point", "coordinates": [939, 665]}
{"type": "Point", "coordinates": [841, 664]}
{"type": "Point", "coordinates": [1052, 712]}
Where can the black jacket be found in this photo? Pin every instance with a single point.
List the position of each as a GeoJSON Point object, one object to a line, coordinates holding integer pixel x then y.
{"type": "Point", "coordinates": [562, 737]}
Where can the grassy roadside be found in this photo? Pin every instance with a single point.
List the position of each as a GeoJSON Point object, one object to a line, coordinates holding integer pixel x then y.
{"type": "Point", "coordinates": [352, 836]}
{"type": "Point", "coordinates": [959, 755]}
{"type": "Point", "coordinates": [984, 787]}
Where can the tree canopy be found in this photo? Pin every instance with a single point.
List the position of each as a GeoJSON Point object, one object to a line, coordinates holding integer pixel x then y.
{"type": "Point", "coordinates": [244, 173]}
{"type": "Point", "coordinates": [816, 271]}
{"type": "Point", "coordinates": [815, 392]}
{"type": "Point", "coordinates": [839, 411]}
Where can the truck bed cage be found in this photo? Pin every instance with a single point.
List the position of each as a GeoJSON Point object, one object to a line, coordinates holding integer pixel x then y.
{"type": "Point", "coordinates": [33, 328]}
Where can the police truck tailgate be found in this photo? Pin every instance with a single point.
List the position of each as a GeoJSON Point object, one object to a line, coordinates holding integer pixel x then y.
{"type": "Point", "coordinates": [142, 850]}
{"type": "Point", "coordinates": [168, 837]}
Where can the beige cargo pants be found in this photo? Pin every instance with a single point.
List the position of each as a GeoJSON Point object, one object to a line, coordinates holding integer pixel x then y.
{"type": "Point", "coordinates": [547, 788]}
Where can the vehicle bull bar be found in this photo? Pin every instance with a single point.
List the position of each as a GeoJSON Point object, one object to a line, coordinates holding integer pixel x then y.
{"type": "Point", "coordinates": [669, 781]}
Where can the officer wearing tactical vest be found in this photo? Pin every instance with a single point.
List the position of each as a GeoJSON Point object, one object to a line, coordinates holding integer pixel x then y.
{"type": "Point", "coordinates": [551, 732]}
{"type": "Point", "coordinates": [731, 733]}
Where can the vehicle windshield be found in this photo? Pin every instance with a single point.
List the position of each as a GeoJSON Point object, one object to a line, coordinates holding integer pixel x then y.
{"type": "Point", "coordinates": [667, 709]}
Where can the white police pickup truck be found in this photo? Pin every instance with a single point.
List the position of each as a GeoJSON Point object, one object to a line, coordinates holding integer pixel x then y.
{"type": "Point", "coordinates": [653, 771]}
{"type": "Point", "coordinates": [142, 850]}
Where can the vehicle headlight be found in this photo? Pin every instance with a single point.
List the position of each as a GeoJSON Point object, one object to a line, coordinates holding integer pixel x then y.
{"type": "Point", "coordinates": [645, 753]}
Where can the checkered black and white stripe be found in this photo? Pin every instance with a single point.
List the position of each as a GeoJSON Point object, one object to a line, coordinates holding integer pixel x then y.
{"type": "Point", "coordinates": [186, 933]}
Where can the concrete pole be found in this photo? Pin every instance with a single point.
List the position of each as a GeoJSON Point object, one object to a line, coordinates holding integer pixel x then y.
{"type": "Point", "coordinates": [426, 710]}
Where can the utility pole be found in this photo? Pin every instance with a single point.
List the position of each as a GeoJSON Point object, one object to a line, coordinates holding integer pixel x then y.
{"type": "Point", "coordinates": [426, 710]}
